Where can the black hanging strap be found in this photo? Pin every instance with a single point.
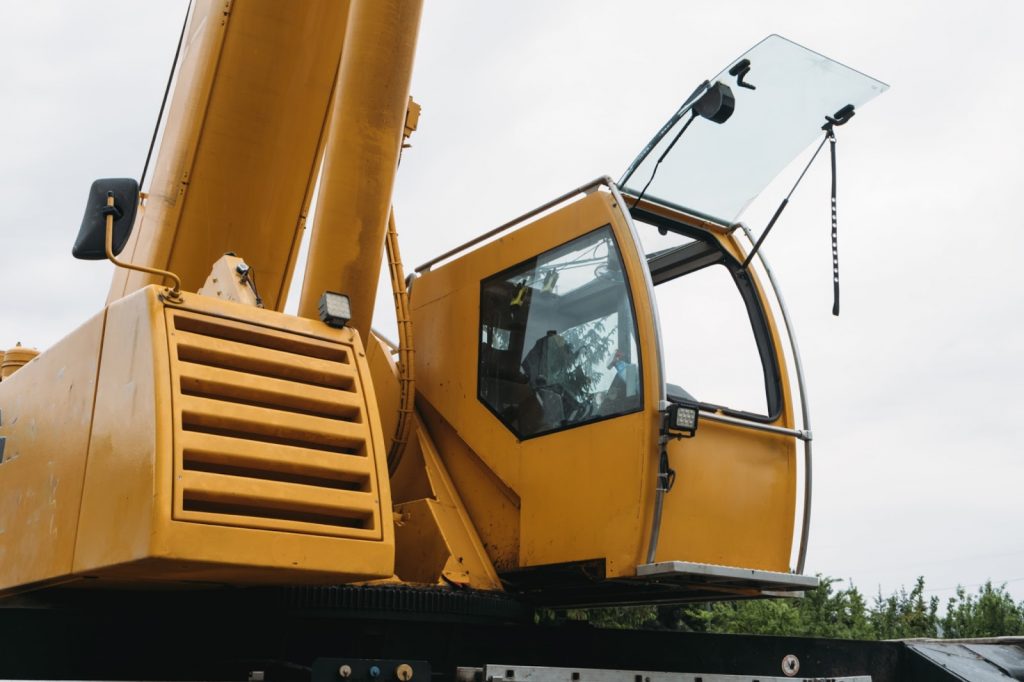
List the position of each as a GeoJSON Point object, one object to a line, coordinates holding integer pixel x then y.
{"type": "Point", "coordinates": [835, 225]}
{"type": "Point", "coordinates": [841, 117]}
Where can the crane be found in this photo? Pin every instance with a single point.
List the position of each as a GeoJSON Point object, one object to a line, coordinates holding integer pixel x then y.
{"type": "Point", "coordinates": [524, 441]}
{"type": "Point", "coordinates": [531, 442]}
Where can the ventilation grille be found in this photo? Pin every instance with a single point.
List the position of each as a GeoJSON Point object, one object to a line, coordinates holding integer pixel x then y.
{"type": "Point", "coordinates": [271, 430]}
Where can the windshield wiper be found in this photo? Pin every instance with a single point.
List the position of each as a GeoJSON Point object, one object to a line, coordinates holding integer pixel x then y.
{"type": "Point", "coordinates": [716, 104]}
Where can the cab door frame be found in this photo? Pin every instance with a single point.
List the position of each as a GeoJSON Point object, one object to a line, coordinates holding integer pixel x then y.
{"type": "Point", "coordinates": [803, 434]}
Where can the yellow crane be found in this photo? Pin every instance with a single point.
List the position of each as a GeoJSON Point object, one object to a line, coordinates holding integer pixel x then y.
{"type": "Point", "coordinates": [196, 485]}
{"type": "Point", "coordinates": [526, 435]}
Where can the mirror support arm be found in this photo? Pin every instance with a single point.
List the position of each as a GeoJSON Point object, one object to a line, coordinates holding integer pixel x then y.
{"type": "Point", "coordinates": [173, 294]}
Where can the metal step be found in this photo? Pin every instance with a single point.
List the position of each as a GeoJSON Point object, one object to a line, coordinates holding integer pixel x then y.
{"type": "Point", "coordinates": [727, 578]}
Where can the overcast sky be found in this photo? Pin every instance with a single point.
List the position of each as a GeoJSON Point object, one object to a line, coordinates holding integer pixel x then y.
{"type": "Point", "coordinates": [917, 390]}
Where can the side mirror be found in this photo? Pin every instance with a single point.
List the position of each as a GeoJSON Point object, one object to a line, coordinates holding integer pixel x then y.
{"type": "Point", "coordinates": [91, 242]}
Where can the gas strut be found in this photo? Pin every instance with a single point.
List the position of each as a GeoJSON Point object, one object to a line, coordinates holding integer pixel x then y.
{"type": "Point", "coordinates": [839, 118]}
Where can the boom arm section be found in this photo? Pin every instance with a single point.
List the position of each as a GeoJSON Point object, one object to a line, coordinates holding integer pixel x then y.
{"type": "Point", "coordinates": [364, 143]}
{"type": "Point", "coordinates": [240, 154]}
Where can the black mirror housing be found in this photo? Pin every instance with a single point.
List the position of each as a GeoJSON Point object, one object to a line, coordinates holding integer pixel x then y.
{"type": "Point", "coordinates": [717, 104]}
{"type": "Point", "coordinates": [91, 241]}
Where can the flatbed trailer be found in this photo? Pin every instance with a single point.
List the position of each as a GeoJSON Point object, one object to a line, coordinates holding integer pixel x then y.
{"type": "Point", "coordinates": [360, 635]}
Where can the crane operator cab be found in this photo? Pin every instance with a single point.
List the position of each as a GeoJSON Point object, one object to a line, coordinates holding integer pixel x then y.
{"type": "Point", "coordinates": [633, 436]}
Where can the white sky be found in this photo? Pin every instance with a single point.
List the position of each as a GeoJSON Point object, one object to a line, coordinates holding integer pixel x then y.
{"type": "Point", "coordinates": [917, 389]}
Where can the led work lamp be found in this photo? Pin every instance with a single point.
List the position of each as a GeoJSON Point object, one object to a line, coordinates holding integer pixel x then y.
{"type": "Point", "coordinates": [335, 309]}
{"type": "Point", "coordinates": [682, 420]}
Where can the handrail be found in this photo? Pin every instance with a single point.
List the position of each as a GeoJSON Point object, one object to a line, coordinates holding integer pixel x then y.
{"type": "Point", "coordinates": [582, 189]}
{"type": "Point", "coordinates": [660, 488]}
{"type": "Point", "coordinates": [801, 434]}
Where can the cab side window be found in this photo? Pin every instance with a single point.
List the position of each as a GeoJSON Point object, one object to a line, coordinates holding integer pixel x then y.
{"type": "Point", "coordinates": [558, 339]}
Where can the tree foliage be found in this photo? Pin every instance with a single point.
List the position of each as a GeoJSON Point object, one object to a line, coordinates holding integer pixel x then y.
{"type": "Point", "coordinates": [990, 613]}
{"type": "Point", "coordinates": [902, 615]}
{"type": "Point", "coordinates": [829, 611]}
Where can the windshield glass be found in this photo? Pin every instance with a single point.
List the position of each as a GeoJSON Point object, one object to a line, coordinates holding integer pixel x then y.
{"type": "Point", "coordinates": [716, 170]}
{"type": "Point", "coordinates": [558, 339]}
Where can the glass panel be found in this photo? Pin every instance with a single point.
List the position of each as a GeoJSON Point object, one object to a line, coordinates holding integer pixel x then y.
{"type": "Point", "coordinates": [716, 170]}
{"type": "Point", "coordinates": [558, 339]}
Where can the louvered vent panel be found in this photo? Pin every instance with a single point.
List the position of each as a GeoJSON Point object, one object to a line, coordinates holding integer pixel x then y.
{"type": "Point", "coordinates": [271, 431]}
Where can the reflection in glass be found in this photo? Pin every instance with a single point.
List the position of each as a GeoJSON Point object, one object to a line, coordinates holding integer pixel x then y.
{"type": "Point", "coordinates": [558, 339]}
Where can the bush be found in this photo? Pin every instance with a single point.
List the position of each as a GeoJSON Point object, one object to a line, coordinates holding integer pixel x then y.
{"type": "Point", "coordinates": [826, 612]}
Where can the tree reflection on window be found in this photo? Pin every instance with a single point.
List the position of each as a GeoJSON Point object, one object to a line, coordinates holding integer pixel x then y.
{"type": "Point", "coordinates": [558, 339]}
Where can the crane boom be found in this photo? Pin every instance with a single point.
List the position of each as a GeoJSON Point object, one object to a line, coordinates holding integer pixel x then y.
{"type": "Point", "coordinates": [242, 145]}
{"type": "Point", "coordinates": [363, 146]}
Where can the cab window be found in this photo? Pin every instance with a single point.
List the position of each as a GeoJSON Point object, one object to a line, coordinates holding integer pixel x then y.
{"type": "Point", "coordinates": [716, 341]}
{"type": "Point", "coordinates": [558, 339]}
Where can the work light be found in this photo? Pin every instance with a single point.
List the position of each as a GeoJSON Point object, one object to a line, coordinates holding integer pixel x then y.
{"type": "Point", "coordinates": [682, 419]}
{"type": "Point", "coordinates": [335, 309]}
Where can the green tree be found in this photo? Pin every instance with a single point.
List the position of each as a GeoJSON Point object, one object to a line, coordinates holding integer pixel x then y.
{"type": "Point", "coordinates": [612, 617]}
{"type": "Point", "coordinates": [903, 615]}
{"type": "Point", "coordinates": [990, 613]}
{"type": "Point", "coordinates": [824, 612]}
{"type": "Point", "coordinates": [758, 617]}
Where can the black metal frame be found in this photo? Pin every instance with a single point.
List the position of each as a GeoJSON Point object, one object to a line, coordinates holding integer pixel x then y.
{"type": "Point", "coordinates": [225, 634]}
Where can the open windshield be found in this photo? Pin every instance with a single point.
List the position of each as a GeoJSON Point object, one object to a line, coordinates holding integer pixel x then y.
{"type": "Point", "coordinates": [716, 170]}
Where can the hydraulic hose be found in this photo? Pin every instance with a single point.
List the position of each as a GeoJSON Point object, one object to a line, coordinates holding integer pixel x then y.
{"type": "Point", "coordinates": [406, 371]}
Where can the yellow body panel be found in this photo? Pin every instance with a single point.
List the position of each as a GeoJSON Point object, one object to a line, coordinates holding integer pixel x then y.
{"type": "Point", "coordinates": [582, 491]}
{"type": "Point", "coordinates": [492, 505]}
{"type": "Point", "coordinates": [436, 536]}
{"type": "Point", "coordinates": [435, 539]}
{"type": "Point", "coordinates": [45, 415]}
{"type": "Point", "coordinates": [733, 500]}
{"type": "Point", "coordinates": [239, 156]}
{"type": "Point", "coordinates": [228, 444]}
